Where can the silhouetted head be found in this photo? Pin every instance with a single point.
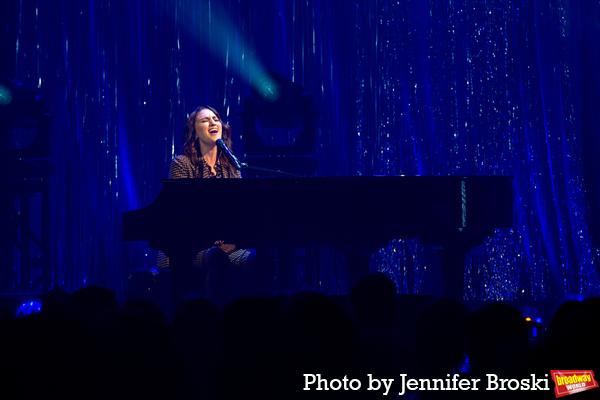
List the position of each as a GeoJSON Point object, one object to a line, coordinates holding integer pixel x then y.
{"type": "Point", "coordinates": [440, 336]}
{"type": "Point", "coordinates": [57, 301]}
{"type": "Point", "coordinates": [498, 340]}
{"type": "Point", "coordinates": [374, 301]}
{"type": "Point", "coordinates": [90, 301]}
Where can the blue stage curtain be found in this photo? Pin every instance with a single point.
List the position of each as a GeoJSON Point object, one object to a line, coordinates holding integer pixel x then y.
{"type": "Point", "coordinates": [483, 88]}
{"type": "Point", "coordinates": [486, 87]}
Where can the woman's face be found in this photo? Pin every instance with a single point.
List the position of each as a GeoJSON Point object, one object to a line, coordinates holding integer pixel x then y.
{"type": "Point", "coordinates": [208, 127]}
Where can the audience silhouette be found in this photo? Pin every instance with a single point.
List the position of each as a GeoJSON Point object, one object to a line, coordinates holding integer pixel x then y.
{"type": "Point", "coordinates": [86, 345]}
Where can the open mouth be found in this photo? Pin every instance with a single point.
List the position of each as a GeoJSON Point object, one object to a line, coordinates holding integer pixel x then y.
{"type": "Point", "coordinates": [214, 131]}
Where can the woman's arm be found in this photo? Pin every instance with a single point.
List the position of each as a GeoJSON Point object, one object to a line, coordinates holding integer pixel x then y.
{"type": "Point", "coordinates": [181, 167]}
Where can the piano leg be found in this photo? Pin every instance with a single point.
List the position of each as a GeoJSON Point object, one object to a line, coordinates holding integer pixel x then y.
{"type": "Point", "coordinates": [284, 275]}
{"type": "Point", "coordinates": [180, 271]}
{"type": "Point", "coordinates": [265, 273]}
{"type": "Point", "coordinates": [452, 263]}
{"type": "Point", "coordinates": [358, 263]}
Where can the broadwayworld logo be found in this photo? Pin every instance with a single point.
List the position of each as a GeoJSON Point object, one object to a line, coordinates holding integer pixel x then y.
{"type": "Point", "coordinates": [569, 382]}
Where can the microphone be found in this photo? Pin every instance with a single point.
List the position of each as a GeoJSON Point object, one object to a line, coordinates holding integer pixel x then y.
{"type": "Point", "coordinates": [232, 159]}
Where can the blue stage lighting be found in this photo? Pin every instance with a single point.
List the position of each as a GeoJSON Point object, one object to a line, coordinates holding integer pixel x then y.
{"type": "Point", "coordinates": [30, 307]}
{"type": "Point", "coordinates": [267, 87]}
{"type": "Point", "coordinates": [19, 105]}
{"type": "Point", "coordinates": [7, 92]}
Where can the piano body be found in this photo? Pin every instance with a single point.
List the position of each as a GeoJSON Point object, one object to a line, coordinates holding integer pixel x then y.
{"type": "Point", "coordinates": [356, 214]}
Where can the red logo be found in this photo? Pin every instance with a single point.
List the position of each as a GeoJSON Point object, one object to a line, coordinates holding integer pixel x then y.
{"type": "Point", "coordinates": [569, 382]}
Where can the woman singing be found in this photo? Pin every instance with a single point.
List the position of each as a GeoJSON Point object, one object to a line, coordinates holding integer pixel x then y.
{"type": "Point", "coordinates": [221, 270]}
{"type": "Point", "coordinates": [201, 157]}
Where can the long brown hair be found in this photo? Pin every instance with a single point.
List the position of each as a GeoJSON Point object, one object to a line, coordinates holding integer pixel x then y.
{"type": "Point", "coordinates": [191, 143]}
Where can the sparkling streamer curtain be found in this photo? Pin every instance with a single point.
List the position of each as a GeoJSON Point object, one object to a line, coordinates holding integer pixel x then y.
{"type": "Point", "coordinates": [482, 88]}
{"type": "Point", "coordinates": [412, 87]}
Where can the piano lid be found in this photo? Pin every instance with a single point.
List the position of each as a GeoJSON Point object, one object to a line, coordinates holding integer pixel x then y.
{"type": "Point", "coordinates": [282, 212]}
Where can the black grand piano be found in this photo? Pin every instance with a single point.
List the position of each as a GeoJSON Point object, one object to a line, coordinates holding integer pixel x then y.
{"type": "Point", "coordinates": [355, 214]}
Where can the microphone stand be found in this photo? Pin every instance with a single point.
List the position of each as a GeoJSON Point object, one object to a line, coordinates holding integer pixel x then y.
{"type": "Point", "coordinates": [239, 165]}
{"type": "Point", "coordinates": [272, 171]}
